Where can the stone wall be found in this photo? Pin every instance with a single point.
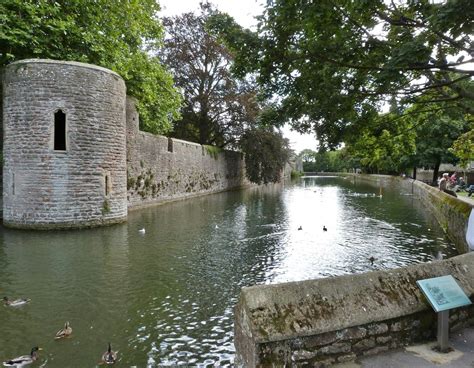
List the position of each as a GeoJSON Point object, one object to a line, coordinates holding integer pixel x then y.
{"type": "Point", "coordinates": [320, 322]}
{"type": "Point", "coordinates": [161, 169]}
{"type": "Point", "coordinates": [82, 183]}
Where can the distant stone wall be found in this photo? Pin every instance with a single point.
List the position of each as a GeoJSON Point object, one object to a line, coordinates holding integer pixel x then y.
{"type": "Point", "coordinates": [319, 322]}
{"type": "Point", "coordinates": [161, 169]}
{"type": "Point", "coordinates": [64, 145]}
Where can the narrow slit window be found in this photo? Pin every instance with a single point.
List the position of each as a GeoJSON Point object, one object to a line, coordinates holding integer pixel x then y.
{"type": "Point", "coordinates": [59, 131]}
{"type": "Point", "coordinates": [106, 185]}
{"type": "Point", "coordinates": [13, 183]}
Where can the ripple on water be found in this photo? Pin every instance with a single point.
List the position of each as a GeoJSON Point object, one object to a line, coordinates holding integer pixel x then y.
{"type": "Point", "coordinates": [167, 298]}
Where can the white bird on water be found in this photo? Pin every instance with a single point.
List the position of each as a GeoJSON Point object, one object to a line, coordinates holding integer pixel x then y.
{"type": "Point", "coordinates": [142, 231]}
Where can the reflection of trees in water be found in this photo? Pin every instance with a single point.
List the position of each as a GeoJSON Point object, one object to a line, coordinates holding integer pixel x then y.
{"type": "Point", "coordinates": [172, 290]}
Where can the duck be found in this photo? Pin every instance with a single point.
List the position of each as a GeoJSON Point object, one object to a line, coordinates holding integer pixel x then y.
{"type": "Point", "coordinates": [24, 359]}
{"type": "Point", "coordinates": [15, 302]}
{"type": "Point", "coordinates": [142, 231]}
{"type": "Point", "coordinates": [372, 259]}
{"type": "Point", "coordinates": [324, 228]}
{"type": "Point", "coordinates": [64, 332]}
{"type": "Point", "coordinates": [109, 357]}
{"type": "Point", "coordinates": [300, 228]}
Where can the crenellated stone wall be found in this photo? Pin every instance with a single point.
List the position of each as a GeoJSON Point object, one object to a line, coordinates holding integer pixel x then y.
{"type": "Point", "coordinates": [78, 185]}
{"type": "Point", "coordinates": [106, 165]}
{"type": "Point", "coordinates": [161, 169]}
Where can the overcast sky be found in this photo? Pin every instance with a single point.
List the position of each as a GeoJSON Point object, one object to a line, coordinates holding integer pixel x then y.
{"type": "Point", "coordinates": [244, 12]}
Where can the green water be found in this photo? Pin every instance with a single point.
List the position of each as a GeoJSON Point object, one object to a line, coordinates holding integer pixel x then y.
{"type": "Point", "coordinates": [166, 297]}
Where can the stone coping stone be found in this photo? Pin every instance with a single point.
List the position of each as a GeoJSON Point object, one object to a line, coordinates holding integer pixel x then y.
{"type": "Point", "coordinates": [65, 63]}
{"type": "Point", "coordinates": [311, 307]}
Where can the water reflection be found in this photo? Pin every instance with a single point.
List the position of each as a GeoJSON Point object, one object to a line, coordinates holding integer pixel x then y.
{"type": "Point", "coordinates": [166, 297]}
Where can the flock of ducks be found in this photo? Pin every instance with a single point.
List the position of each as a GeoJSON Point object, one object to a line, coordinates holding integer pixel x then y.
{"type": "Point", "coordinates": [109, 356]}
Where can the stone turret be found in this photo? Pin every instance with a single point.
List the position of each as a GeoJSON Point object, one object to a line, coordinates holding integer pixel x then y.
{"type": "Point", "coordinates": [64, 145]}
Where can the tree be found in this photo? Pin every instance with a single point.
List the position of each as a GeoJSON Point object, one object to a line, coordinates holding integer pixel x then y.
{"type": "Point", "coordinates": [463, 148]}
{"type": "Point", "coordinates": [266, 153]}
{"type": "Point", "coordinates": [217, 107]}
{"type": "Point", "coordinates": [384, 143]}
{"type": "Point", "coordinates": [335, 63]}
{"type": "Point", "coordinates": [308, 157]}
{"type": "Point", "coordinates": [112, 34]}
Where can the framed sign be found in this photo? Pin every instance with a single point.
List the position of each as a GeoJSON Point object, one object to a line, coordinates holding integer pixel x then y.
{"type": "Point", "coordinates": [443, 293]}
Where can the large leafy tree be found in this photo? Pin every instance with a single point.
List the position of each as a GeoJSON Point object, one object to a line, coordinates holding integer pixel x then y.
{"type": "Point", "coordinates": [335, 63]}
{"type": "Point", "coordinates": [384, 147]}
{"type": "Point", "coordinates": [410, 138]}
{"type": "Point", "coordinates": [463, 148]}
{"type": "Point", "coordinates": [266, 153]}
{"type": "Point", "coordinates": [115, 34]}
{"type": "Point", "coordinates": [218, 108]}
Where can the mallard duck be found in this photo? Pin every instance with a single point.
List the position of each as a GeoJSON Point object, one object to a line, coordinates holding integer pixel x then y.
{"type": "Point", "coordinates": [64, 332]}
{"type": "Point", "coordinates": [109, 357]}
{"type": "Point", "coordinates": [24, 359]}
{"type": "Point", "coordinates": [16, 302]}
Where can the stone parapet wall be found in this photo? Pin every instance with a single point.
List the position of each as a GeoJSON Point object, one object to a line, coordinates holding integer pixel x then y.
{"type": "Point", "coordinates": [319, 322]}
{"type": "Point", "coordinates": [83, 184]}
{"type": "Point", "coordinates": [161, 169]}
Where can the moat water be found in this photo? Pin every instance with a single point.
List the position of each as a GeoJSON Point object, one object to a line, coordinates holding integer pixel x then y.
{"type": "Point", "coordinates": [166, 297]}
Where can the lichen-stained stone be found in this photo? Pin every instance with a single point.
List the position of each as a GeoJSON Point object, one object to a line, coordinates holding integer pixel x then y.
{"type": "Point", "coordinates": [340, 316]}
{"type": "Point", "coordinates": [84, 182]}
{"type": "Point", "coordinates": [162, 169]}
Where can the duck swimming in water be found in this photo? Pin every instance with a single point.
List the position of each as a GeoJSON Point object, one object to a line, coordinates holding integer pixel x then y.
{"type": "Point", "coordinates": [324, 228]}
{"type": "Point", "coordinates": [15, 302]}
{"type": "Point", "coordinates": [109, 357]}
{"type": "Point", "coordinates": [64, 332]}
{"type": "Point", "coordinates": [24, 359]}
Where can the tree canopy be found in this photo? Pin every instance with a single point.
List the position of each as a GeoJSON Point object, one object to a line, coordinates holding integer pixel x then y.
{"type": "Point", "coordinates": [334, 64]}
{"type": "Point", "coordinates": [266, 153]}
{"type": "Point", "coordinates": [112, 34]}
{"type": "Point", "coordinates": [218, 107]}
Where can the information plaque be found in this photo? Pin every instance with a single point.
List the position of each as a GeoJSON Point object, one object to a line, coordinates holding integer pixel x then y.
{"type": "Point", "coordinates": [443, 293]}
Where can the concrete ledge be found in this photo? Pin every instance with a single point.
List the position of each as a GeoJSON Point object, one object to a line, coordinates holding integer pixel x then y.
{"type": "Point", "coordinates": [339, 318]}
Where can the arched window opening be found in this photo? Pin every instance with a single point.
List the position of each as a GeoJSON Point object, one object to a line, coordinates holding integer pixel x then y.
{"type": "Point", "coordinates": [59, 131]}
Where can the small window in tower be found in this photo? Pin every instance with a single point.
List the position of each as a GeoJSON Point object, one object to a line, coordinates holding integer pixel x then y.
{"type": "Point", "coordinates": [106, 185]}
{"type": "Point", "coordinates": [59, 131]}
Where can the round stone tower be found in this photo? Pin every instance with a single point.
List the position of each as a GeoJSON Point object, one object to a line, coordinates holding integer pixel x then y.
{"type": "Point", "coordinates": [64, 145]}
